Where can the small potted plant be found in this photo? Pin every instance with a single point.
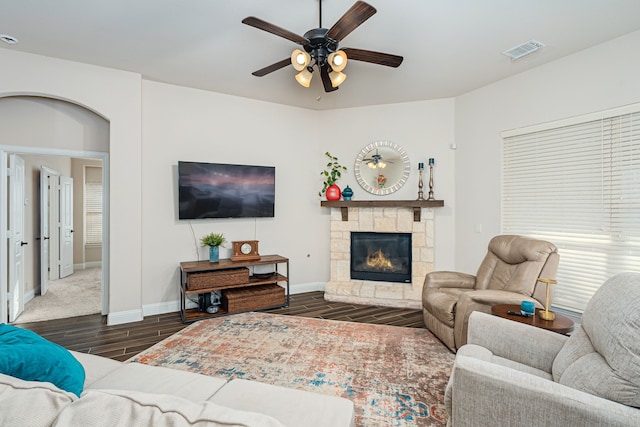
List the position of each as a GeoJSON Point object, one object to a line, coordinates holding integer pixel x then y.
{"type": "Point", "coordinates": [331, 175]}
{"type": "Point", "coordinates": [214, 241]}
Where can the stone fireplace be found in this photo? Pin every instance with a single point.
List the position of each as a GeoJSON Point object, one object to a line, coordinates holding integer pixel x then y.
{"type": "Point", "coordinates": [344, 288]}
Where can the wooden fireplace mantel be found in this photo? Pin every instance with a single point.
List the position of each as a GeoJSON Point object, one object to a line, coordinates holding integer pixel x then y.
{"type": "Point", "coordinates": [416, 205]}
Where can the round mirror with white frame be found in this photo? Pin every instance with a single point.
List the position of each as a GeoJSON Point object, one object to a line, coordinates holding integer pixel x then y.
{"type": "Point", "coordinates": [382, 168]}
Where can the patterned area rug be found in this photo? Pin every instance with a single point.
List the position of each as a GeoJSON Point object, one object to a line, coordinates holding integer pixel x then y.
{"type": "Point", "coordinates": [395, 376]}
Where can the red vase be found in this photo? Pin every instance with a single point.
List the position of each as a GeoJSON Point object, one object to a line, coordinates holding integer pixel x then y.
{"type": "Point", "coordinates": [333, 193]}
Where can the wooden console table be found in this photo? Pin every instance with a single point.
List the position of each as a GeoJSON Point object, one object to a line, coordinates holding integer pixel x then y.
{"type": "Point", "coordinates": [416, 205]}
{"type": "Point", "coordinates": [254, 292]}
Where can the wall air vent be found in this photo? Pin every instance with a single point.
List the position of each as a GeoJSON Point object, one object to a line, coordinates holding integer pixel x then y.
{"type": "Point", "coordinates": [523, 50]}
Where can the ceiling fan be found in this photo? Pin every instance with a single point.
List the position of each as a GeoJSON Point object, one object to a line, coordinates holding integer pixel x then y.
{"type": "Point", "coordinates": [377, 162]}
{"type": "Point", "coordinates": [321, 48]}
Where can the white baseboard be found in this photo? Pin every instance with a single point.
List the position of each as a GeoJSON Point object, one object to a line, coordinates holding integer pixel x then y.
{"type": "Point", "coordinates": [28, 296]}
{"type": "Point", "coordinates": [174, 306]}
{"type": "Point", "coordinates": [85, 265]}
{"type": "Point", "coordinates": [121, 317]}
{"type": "Point", "coordinates": [160, 308]}
{"type": "Point", "coordinates": [301, 288]}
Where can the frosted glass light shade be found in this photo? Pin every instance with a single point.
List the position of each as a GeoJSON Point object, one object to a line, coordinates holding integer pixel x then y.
{"type": "Point", "coordinates": [304, 77]}
{"type": "Point", "coordinates": [300, 59]}
{"type": "Point", "coordinates": [337, 78]}
{"type": "Point", "coordinates": [338, 60]}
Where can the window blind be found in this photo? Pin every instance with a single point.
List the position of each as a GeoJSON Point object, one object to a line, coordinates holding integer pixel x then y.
{"type": "Point", "coordinates": [93, 206]}
{"type": "Point", "coordinates": [577, 184]}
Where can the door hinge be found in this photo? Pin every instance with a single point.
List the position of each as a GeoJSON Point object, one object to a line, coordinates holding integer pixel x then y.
{"type": "Point", "coordinates": [9, 171]}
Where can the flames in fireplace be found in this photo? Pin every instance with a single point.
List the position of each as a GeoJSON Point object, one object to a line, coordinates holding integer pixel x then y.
{"type": "Point", "coordinates": [378, 261]}
{"type": "Point", "coordinates": [384, 257]}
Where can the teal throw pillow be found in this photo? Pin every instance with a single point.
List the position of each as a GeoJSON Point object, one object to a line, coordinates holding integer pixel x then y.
{"type": "Point", "coordinates": [26, 355]}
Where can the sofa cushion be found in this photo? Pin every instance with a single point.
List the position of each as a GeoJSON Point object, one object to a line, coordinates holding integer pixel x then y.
{"type": "Point", "coordinates": [95, 367]}
{"type": "Point", "coordinates": [26, 355]}
{"type": "Point", "coordinates": [30, 403]}
{"type": "Point", "coordinates": [99, 408]}
{"type": "Point", "coordinates": [604, 357]}
{"type": "Point", "coordinates": [155, 379]}
{"type": "Point", "coordinates": [481, 353]}
{"type": "Point", "coordinates": [291, 407]}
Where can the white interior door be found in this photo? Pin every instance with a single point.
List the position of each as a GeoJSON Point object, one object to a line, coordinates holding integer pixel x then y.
{"type": "Point", "coordinates": [66, 226]}
{"type": "Point", "coordinates": [45, 225]}
{"type": "Point", "coordinates": [16, 237]}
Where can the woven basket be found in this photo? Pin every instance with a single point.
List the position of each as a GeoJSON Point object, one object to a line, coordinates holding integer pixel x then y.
{"type": "Point", "coordinates": [253, 298]}
{"type": "Point", "coordinates": [218, 279]}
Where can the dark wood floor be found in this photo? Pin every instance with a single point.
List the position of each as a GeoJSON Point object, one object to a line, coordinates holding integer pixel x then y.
{"type": "Point", "coordinates": [90, 334]}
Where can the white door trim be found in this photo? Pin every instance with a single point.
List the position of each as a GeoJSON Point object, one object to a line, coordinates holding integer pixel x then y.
{"type": "Point", "coordinates": [16, 237]}
{"type": "Point", "coordinates": [65, 207]}
{"type": "Point", "coordinates": [4, 239]}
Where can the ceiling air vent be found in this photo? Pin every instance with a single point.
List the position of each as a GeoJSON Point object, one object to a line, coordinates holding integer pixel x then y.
{"type": "Point", "coordinates": [523, 50]}
{"type": "Point", "coordinates": [8, 39]}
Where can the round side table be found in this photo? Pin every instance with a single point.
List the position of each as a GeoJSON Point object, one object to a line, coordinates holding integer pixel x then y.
{"type": "Point", "coordinates": [561, 324]}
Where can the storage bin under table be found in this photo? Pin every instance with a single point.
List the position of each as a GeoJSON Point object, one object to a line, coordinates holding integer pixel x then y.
{"type": "Point", "coordinates": [253, 297]}
{"type": "Point", "coordinates": [218, 279]}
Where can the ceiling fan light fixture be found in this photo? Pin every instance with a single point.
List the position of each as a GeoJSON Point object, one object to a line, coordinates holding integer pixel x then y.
{"type": "Point", "coordinates": [304, 77]}
{"type": "Point", "coordinates": [338, 60]}
{"type": "Point", "coordinates": [337, 78]}
{"type": "Point", "coordinates": [300, 59]}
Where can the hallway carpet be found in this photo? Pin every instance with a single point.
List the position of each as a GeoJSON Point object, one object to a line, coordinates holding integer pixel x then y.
{"type": "Point", "coordinates": [76, 295]}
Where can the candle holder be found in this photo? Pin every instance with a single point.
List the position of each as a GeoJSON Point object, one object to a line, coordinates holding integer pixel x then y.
{"type": "Point", "coordinates": [431, 180]}
{"type": "Point", "coordinates": [420, 193]}
{"type": "Point", "coordinates": [546, 314]}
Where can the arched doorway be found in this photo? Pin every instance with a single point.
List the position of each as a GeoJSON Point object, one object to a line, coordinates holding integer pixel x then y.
{"type": "Point", "coordinates": [58, 135]}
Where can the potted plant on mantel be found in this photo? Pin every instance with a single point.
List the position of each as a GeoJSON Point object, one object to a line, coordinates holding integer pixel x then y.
{"type": "Point", "coordinates": [331, 175]}
{"type": "Point", "coordinates": [214, 241]}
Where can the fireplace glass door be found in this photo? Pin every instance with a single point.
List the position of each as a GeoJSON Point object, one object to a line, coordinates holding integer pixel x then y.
{"type": "Point", "coordinates": [383, 257]}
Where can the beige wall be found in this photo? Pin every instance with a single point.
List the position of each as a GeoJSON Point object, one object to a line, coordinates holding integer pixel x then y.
{"type": "Point", "coordinates": [193, 125]}
{"type": "Point", "coordinates": [116, 96]}
{"type": "Point", "coordinates": [154, 125]}
{"type": "Point", "coordinates": [595, 79]}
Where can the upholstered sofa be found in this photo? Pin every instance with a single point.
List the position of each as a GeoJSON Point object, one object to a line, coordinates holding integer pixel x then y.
{"type": "Point", "coordinates": [512, 374]}
{"type": "Point", "coordinates": [133, 394]}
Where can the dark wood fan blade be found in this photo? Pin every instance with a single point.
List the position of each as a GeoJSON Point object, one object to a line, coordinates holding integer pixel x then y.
{"type": "Point", "coordinates": [352, 19]}
{"type": "Point", "coordinates": [274, 29]}
{"type": "Point", "coordinates": [326, 81]}
{"type": "Point", "coordinates": [271, 68]}
{"type": "Point", "coordinates": [374, 57]}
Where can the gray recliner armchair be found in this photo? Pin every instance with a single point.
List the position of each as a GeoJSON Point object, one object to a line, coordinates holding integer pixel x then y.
{"type": "Point", "coordinates": [508, 274]}
{"type": "Point", "coordinates": [512, 374]}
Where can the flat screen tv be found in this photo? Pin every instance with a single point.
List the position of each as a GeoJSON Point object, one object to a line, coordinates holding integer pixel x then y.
{"type": "Point", "coordinates": [215, 190]}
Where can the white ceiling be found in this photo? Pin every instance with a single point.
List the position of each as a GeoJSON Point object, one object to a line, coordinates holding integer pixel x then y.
{"type": "Point", "coordinates": [450, 47]}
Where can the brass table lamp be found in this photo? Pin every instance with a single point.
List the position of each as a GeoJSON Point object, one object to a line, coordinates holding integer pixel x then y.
{"type": "Point", "coordinates": [546, 314]}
